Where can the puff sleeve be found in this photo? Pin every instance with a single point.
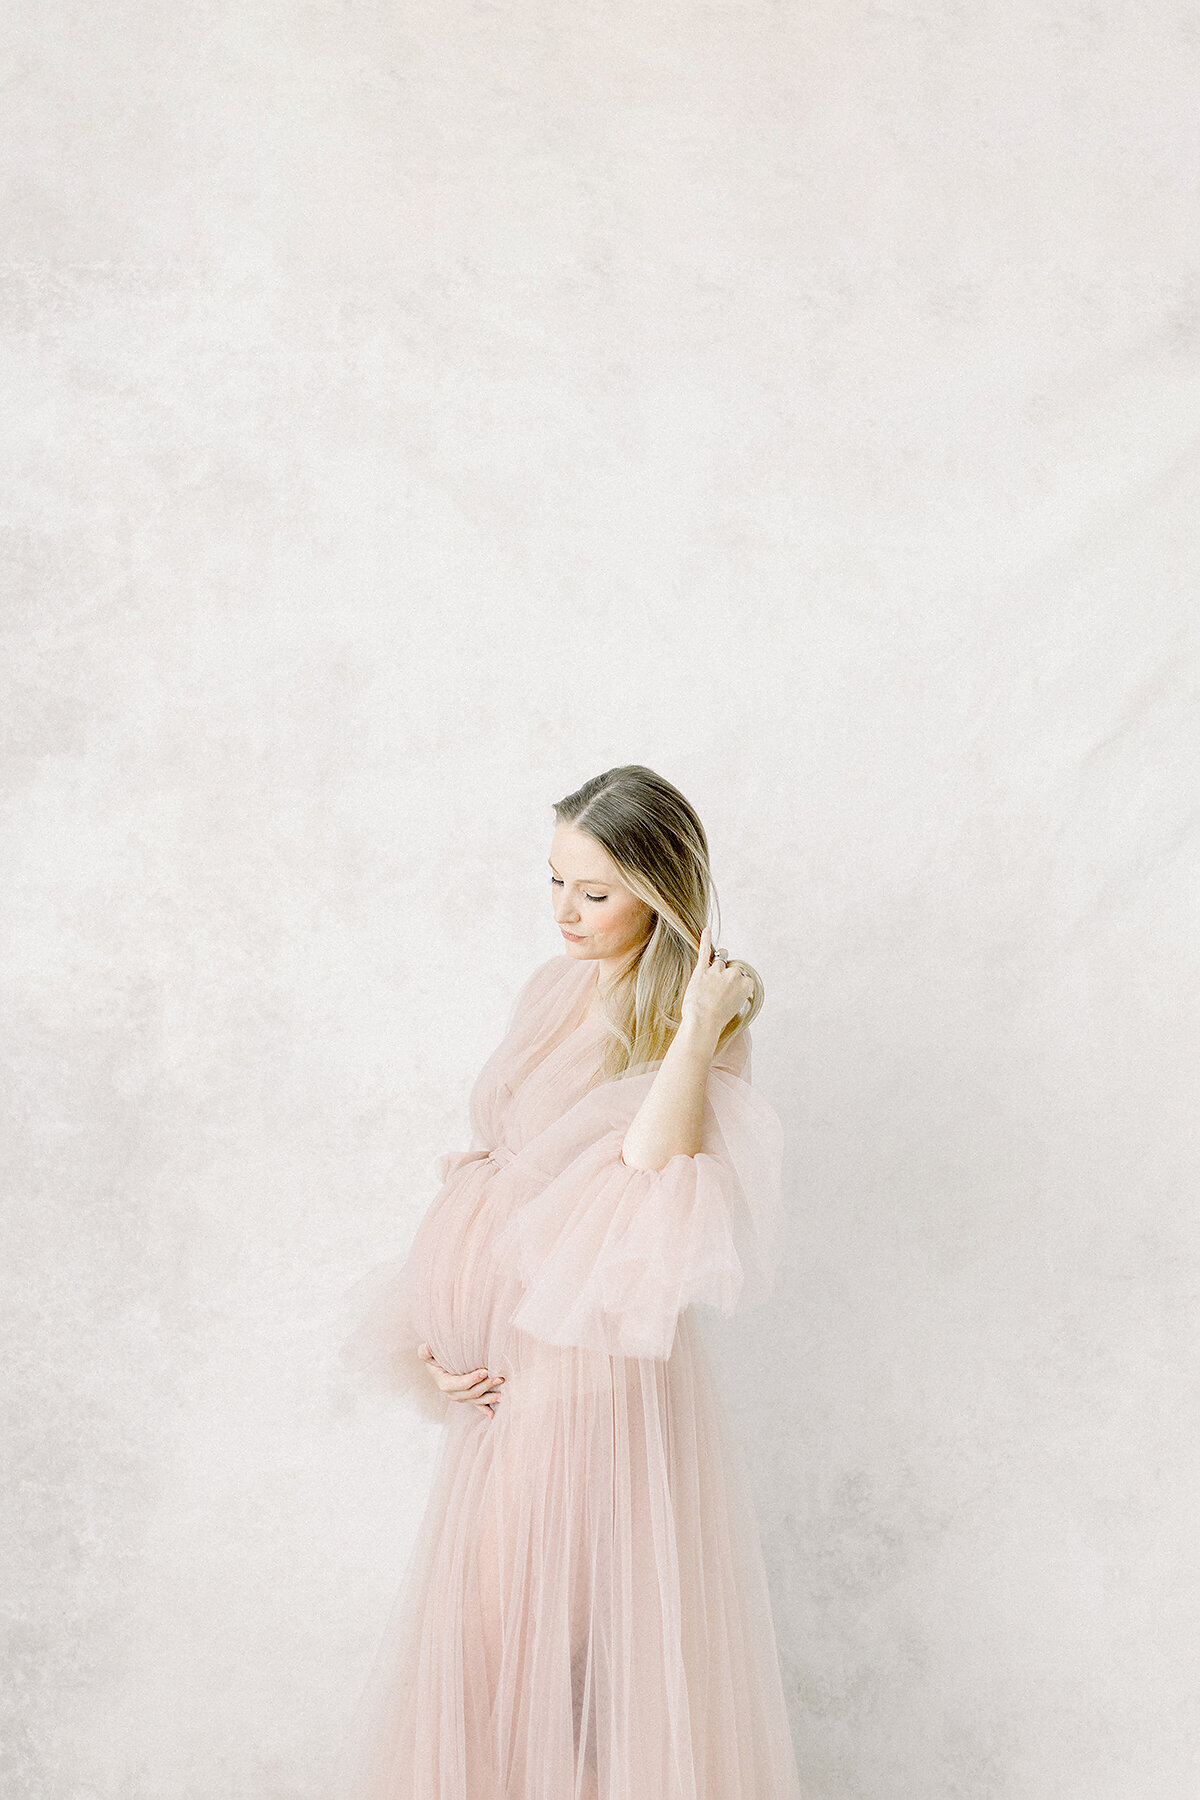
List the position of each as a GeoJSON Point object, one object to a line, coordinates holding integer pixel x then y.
{"type": "Point", "coordinates": [608, 1256]}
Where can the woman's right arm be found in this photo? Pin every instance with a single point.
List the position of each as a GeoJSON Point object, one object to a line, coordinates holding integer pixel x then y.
{"type": "Point", "coordinates": [668, 1122]}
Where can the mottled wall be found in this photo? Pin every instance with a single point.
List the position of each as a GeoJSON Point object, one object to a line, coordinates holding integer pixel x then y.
{"type": "Point", "coordinates": [412, 409]}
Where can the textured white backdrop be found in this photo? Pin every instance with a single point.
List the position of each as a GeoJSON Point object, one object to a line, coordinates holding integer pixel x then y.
{"type": "Point", "coordinates": [412, 410]}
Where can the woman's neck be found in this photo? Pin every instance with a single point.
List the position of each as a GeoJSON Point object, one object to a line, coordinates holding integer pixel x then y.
{"type": "Point", "coordinates": [608, 973]}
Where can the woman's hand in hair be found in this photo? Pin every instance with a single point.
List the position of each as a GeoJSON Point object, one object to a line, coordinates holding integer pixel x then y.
{"type": "Point", "coordinates": [670, 1120]}
{"type": "Point", "coordinates": [716, 993]}
{"type": "Point", "coordinates": [477, 1388]}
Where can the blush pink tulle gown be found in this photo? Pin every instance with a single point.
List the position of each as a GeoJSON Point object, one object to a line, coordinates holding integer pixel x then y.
{"type": "Point", "coordinates": [585, 1613]}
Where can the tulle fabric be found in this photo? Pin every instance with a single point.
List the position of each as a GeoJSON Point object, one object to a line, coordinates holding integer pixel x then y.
{"type": "Point", "coordinates": [584, 1614]}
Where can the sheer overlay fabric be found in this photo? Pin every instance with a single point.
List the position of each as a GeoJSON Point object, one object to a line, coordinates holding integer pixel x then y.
{"type": "Point", "coordinates": [585, 1614]}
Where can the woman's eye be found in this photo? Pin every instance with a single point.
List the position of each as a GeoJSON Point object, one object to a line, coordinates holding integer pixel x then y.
{"type": "Point", "coordinates": [556, 881]}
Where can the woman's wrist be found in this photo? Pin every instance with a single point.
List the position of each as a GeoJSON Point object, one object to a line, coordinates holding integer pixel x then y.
{"type": "Point", "coordinates": [697, 1036]}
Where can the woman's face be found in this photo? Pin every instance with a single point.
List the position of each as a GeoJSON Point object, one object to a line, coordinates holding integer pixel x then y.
{"type": "Point", "coordinates": [596, 913]}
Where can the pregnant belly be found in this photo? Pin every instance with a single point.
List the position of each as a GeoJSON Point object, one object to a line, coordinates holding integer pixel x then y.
{"type": "Point", "coordinates": [458, 1286]}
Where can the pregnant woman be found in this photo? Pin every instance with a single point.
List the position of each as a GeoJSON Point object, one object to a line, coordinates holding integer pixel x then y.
{"type": "Point", "coordinates": [585, 1613]}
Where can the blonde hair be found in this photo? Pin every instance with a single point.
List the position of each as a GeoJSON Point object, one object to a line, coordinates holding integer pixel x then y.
{"type": "Point", "coordinates": [655, 839]}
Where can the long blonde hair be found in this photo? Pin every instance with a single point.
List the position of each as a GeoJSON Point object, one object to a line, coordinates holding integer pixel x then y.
{"type": "Point", "coordinates": [655, 839]}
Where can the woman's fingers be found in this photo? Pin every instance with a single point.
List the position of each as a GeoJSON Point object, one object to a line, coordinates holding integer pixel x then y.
{"type": "Point", "coordinates": [478, 1386]}
{"type": "Point", "coordinates": [484, 1385]}
{"type": "Point", "coordinates": [719, 987]}
{"type": "Point", "coordinates": [706, 958]}
{"type": "Point", "coordinates": [473, 1386]}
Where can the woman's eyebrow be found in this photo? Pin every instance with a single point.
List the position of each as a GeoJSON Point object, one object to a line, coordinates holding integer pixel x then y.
{"type": "Point", "coordinates": [584, 878]}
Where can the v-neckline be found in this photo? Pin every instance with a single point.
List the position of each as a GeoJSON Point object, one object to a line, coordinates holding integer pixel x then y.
{"type": "Point", "coordinates": [590, 988]}
{"type": "Point", "coordinates": [568, 1045]}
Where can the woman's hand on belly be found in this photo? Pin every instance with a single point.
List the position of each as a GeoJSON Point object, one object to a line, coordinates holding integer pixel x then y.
{"type": "Point", "coordinates": [477, 1388]}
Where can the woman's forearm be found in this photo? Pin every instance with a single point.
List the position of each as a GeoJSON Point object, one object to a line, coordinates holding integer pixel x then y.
{"type": "Point", "coordinates": [668, 1121]}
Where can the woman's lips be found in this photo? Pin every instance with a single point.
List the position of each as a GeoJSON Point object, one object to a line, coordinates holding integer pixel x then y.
{"type": "Point", "coordinates": [573, 936]}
